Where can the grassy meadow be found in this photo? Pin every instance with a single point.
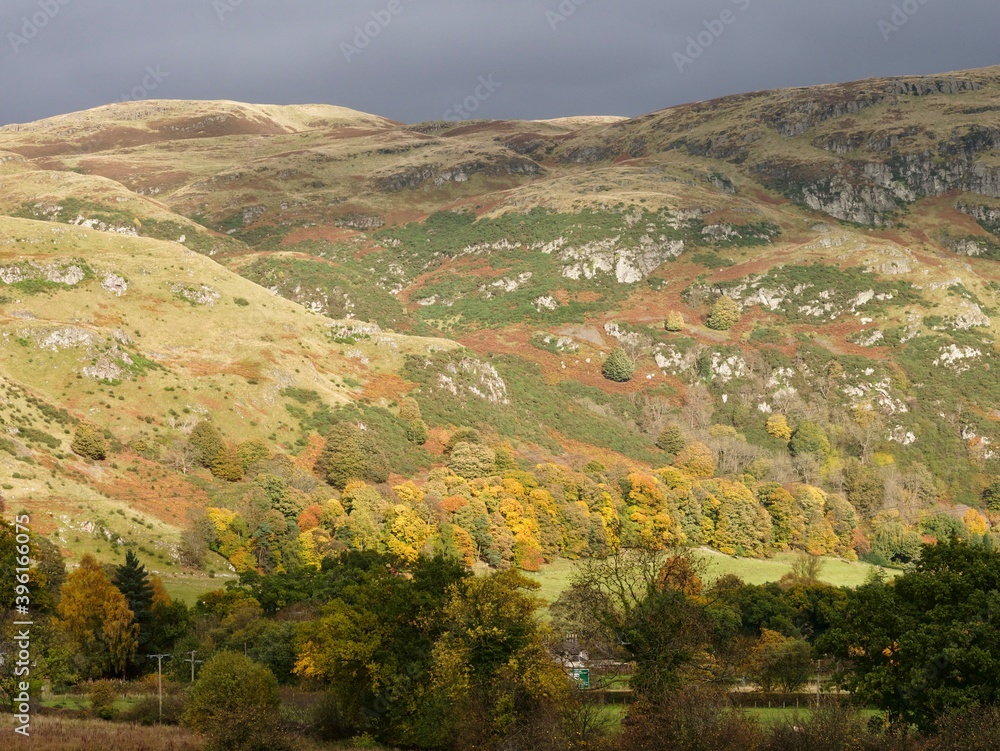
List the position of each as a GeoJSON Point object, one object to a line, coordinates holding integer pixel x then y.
{"type": "Point", "coordinates": [557, 576]}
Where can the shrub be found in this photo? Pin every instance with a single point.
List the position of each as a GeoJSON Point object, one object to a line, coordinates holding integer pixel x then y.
{"type": "Point", "coordinates": [228, 465]}
{"type": "Point", "coordinates": [251, 452]}
{"type": "Point", "coordinates": [416, 432]}
{"type": "Point", "coordinates": [102, 695]}
{"type": "Point", "coordinates": [675, 322]}
{"type": "Point", "coordinates": [618, 367]}
{"type": "Point", "coordinates": [235, 703]}
{"type": "Point", "coordinates": [147, 710]}
{"type": "Point", "coordinates": [89, 442]}
{"type": "Point", "coordinates": [409, 410]}
{"type": "Point", "coordinates": [724, 314]}
{"type": "Point", "coordinates": [463, 435]}
{"type": "Point", "coordinates": [991, 496]}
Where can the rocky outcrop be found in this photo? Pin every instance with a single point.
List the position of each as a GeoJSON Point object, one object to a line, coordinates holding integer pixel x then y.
{"type": "Point", "coordinates": [438, 175]}
{"type": "Point", "coordinates": [362, 222]}
{"type": "Point", "coordinates": [200, 295]}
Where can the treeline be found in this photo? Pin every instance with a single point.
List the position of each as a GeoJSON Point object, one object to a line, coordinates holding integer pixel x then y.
{"type": "Point", "coordinates": [485, 508]}
{"type": "Point", "coordinates": [420, 653]}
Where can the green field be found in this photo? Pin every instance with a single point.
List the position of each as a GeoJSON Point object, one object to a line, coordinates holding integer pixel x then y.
{"type": "Point", "coordinates": [189, 587]}
{"type": "Point", "coordinates": [556, 577]}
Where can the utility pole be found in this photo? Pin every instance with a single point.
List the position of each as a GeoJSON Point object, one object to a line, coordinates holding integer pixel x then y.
{"type": "Point", "coordinates": [193, 662]}
{"type": "Point", "coordinates": [817, 683]}
{"type": "Point", "coordinates": [159, 677]}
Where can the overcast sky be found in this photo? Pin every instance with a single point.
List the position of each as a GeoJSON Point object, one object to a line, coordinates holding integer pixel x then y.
{"type": "Point", "coordinates": [419, 58]}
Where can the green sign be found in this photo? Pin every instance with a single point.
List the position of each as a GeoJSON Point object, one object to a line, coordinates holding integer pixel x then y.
{"type": "Point", "coordinates": [581, 676]}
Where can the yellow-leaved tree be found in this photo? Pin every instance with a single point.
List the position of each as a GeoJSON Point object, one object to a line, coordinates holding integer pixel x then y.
{"type": "Point", "coordinates": [96, 619]}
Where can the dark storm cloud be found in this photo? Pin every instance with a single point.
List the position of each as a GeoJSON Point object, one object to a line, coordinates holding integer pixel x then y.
{"type": "Point", "coordinates": [421, 58]}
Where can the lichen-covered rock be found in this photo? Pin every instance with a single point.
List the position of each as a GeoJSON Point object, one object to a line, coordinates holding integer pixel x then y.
{"type": "Point", "coordinates": [200, 295]}
{"type": "Point", "coordinates": [115, 284]}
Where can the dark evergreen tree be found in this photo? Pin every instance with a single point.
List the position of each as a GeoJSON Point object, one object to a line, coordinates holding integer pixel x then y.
{"type": "Point", "coordinates": [132, 581]}
{"type": "Point", "coordinates": [671, 439]}
{"type": "Point", "coordinates": [206, 443]}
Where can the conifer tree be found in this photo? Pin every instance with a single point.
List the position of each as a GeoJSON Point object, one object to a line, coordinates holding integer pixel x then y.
{"type": "Point", "coordinates": [618, 367]}
{"type": "Point", "coordinates": [132, 581]}
{"type": "Point", "coordinates": [206, 443]}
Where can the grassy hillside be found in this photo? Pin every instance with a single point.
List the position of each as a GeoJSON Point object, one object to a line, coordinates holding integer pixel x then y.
{"type": "Point", "coordinates": [163, 262]}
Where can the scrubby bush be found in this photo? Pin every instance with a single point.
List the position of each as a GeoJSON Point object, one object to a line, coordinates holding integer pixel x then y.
{"type": "Point", "coordinates": [991, 496]}
{"type": "Point", "coordinates": [462, 435]}
{"type": "Point", "coordinates": [697, 460]}
{"type": "Point", "coordinates": [252, 452]}
{"type": "Point", "coordinates": [89, 442]}
{"type": "Point", "coordinates": [228, 465]}
{"type": "Point", "coordinates": [147, 710]}
{"type": "Point", "coordinates": [618, 367]}
{"type": "Point", "coordinates": [409, 410]}
{"type": "Point", "coordinates": [416, 432]}
{"type": "Point", "coordinates": [102, 695]}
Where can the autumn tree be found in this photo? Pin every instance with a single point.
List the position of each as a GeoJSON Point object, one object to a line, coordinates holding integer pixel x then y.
{"type": "Point", "coordinates": [925, 644]}
{"type": "Point", "coordinates": [472, 460]}
{"type": "Point", "coordinates": [674, 322]}
{"type": "Point", "coordinates": [744, 526]}
{"type": "Point", "coordinates": [696, 459]}
{"type": "Point", "coordinates": [97, 621]}
{"type": "Point", "coordinates": [781, 661]}
{"type": "Point", "coordinates": [252, 453]}
{"type": "Point", "coordinates": [491, 665]}
{"type": "Point", "coordinates": [724, 314]}
{"type": "Point", "coordinates": [777, 427]}
{"type": "Point", "coordinates": [373, 647]}
{"type": "Point", "coordinates": [228, 465]}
